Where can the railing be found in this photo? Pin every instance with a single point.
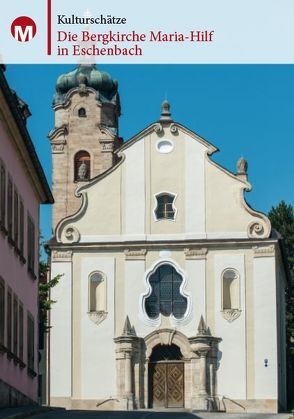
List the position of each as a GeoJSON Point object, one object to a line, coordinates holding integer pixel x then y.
{"type": "Point", "coordinates": [107, 400]}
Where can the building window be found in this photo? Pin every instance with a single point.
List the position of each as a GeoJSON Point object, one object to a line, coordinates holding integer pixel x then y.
{"type": "Point", "coordinates": [15, 217]}
{"type": "Point", "coordinates": [82, 166]}
{"type": "Point", "coordinates": [20, 331]}
{"type": "Point", "coordinates": [97, 292]}
{"type": "Point", "coordinates": [21, 226]}
{"type": "Point", "coordinates": [2, 195]}
{"type": "Point", "coordinates": [31, 344]}
{"type": "Point", "coordinates": [165, 296]}
{"type": "Point", "coordinates": [164, 146]}
{"type": "Point", "coordinates": [9, 322]}
{"type": "Point", "coordinates": [9, 208]}
{"type": "Point", "coordinates": [15, 325]}
{"type": "Point", "coordinates": [2, 312]}
{"type": "Point", "coordinates": [165, 209]}
{"type": "Point", "coordinates": [82, 113]}
{"type": "Point", "coordinates": [31, 246]}
{"type": "Point", "coordinates": [230, 290]}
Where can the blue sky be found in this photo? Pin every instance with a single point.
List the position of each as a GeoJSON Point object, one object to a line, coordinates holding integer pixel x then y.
{"type": "Point", "coordinates": [243, 110]}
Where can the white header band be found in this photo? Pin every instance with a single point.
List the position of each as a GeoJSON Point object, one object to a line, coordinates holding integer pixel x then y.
{"type": "Point", "coordinates": [190, 31]}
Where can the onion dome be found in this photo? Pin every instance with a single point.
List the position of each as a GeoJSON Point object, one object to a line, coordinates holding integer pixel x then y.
{"type": "Point", "coordinates": [84, 76]}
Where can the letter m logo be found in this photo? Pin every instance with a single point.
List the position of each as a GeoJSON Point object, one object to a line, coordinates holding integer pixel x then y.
{"type": "Point", "coordinates": [23, 29]}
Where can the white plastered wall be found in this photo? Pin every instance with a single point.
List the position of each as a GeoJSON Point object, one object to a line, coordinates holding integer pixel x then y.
{"type": "Point", "coordinates": [194, 187]}
{"type": "Point", "coordinates": [97, 352]}
{"type": "Point", "coordinates": [102, 217]}
{"type": "Point", "coordinates": [196, 287]}
{"type": "Point", "coordinates": [61, 331]}
{"type": "Point", "coordinates": [134, 198]}
{"type": "Point", "coordinates": [265, 328]}
{"type": "Point", "coordinates": [232, 349]}
{"type": "Point", "coordinates": [133, 288]}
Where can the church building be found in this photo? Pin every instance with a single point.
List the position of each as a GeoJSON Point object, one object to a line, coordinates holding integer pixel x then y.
{"type": "Point", "coordinates": [172, 292]}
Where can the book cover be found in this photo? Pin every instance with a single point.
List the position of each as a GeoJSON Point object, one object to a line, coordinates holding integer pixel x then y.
{"type": "Point", "coordinates": [161, 136]}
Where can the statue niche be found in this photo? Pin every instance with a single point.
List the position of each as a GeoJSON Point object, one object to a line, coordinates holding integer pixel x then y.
{"type": "Point", "coordinates": [82, 166]}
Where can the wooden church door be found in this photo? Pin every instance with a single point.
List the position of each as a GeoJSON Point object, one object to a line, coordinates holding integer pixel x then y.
{"type": "Point", "coordinates": [166, 378]}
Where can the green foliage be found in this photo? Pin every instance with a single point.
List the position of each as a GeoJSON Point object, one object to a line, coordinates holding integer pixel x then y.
{"type": "Point", "coordinates": [45, 302]}
{"type": "Point", "coordinates": [282, 220]}
{"type": "Point", "coordinates": [45, 286]}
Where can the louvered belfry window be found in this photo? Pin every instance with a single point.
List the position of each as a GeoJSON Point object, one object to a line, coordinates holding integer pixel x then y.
{"type": "Point", "coordinates": [166, 297]}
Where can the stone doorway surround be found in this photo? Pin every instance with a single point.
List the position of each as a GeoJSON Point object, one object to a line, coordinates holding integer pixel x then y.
{"type": "Point", "coordinates": [200, 366]}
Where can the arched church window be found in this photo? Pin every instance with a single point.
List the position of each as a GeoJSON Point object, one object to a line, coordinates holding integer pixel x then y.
{"type": "Point", "coordinates": [82, 166]}
{"type": "Point", "coordinates": [230, 290]}
{"type": "Point", "coordinates": [82, 113]}
{"type": "Point", "coordinates": [165, 297]}
{"type": "Point", "coordinates": [165, 206]}
{"type": "Point", "coordinates": [97, 292]}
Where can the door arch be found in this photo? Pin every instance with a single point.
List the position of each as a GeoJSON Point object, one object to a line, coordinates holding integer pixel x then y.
{"type": "Point", "coordinates": [166, 377]}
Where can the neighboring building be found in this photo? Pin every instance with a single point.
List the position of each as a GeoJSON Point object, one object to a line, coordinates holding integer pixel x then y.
{"type": "Point", "coordinates": [172, 292]}
{"type": "Point", "coordinates": [23, 187]}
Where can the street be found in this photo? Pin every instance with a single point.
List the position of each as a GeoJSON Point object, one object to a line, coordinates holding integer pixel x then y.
{"type": "Point", "coordinates": [80, 414]}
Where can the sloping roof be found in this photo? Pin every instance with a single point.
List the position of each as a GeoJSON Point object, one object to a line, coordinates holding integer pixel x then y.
{"type": "Point", "coordinates": [12, 103]}
{"type": "Point", "coordinates": [150, 128]}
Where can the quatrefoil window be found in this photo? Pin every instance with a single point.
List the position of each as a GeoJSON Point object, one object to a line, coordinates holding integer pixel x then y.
{"type": "Point", "coordinates": [165, 297]}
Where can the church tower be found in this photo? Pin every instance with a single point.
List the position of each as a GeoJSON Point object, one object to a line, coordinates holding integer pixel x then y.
{"type": "Point", "coordinates": [85, 136]}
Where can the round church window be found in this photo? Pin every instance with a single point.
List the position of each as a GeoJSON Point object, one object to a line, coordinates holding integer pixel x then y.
{"type": "Point", "coordinates": [164, 146]}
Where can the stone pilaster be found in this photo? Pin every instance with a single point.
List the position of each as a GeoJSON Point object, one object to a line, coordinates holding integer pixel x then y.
{"type": "Point", "coordinates": [204, 347]}
{"type": "Point", "coordinates": [127, 347]}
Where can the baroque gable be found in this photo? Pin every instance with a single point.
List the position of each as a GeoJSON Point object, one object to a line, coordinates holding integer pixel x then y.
{"type": "Point", "coordinates": [165, 159]}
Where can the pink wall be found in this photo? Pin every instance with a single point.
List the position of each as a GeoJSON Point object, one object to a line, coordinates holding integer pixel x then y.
{"type": "Point", "coordinates": [14, 272]}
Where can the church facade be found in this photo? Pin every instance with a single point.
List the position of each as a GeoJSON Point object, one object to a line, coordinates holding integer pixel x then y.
{"type": "Point", "coordinates": [172, 287]}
